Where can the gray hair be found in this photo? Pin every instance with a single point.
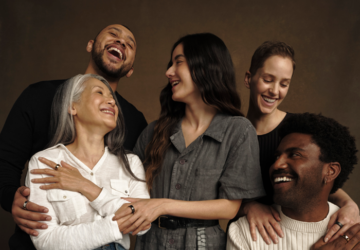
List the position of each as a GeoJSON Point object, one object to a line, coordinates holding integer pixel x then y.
{"type": "Point", "coordinates": [62, 125]}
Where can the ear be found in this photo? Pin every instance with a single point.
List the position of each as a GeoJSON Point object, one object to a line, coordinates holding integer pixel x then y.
{"type": "Point", "coordinates": [89, 46]}
{"type": "Point", "coordinates": [332, 170]}
{"type": "Point", "coordinates": [72, 110]}
{"type": "Point", "coordinates": [131, 71]}
{"type": "Point", "coordinates": [247, 79]}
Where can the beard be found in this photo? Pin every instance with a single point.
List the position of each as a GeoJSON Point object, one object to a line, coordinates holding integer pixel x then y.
{"type": "Point", "coordinates": [107, 69]}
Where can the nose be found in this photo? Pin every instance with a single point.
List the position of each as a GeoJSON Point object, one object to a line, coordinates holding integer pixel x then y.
{"type": "Point", "coordinates": [111, 101]}
{"type": "Point", "coordinates": [121, 42]}
{"type": "Point", "coordinates": [274, 89]}
{"type": "Point", "coordinates": [280, 163]}
{"type": "Point", "coordinates": [170, 72]}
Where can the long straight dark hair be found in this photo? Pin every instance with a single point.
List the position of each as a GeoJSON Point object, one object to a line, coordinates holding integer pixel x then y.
{"type": "Point", "coordinates": [62, 126]}
{"type": "Point", "coordinates": [212, 71]}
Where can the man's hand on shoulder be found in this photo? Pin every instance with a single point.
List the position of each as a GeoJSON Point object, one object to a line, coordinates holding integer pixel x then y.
{"type": "Point", "coordinates": [349, 240]}
{"type": "Point", "coordinates": [28, 219]}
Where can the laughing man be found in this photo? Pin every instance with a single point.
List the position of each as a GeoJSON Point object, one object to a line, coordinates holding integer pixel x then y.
{"type": "Point", "coordinates": [314, 159]}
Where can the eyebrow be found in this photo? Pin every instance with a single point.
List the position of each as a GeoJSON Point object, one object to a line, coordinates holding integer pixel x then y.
{"type": "Point", "coordinates": [277, 152]}
{"type": "Point", "coordinates": [97, 86]}
{"type": "Point", "coordinates": [268, 74]}
{"type": "Point", "coordinates": [177, 56]}
{"type": "Point", "coordinates": [120, 31]}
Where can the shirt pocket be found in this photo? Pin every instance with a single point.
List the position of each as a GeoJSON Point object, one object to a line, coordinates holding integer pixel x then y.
{"type": "Point", "coordinates": [119, 188]}
{"type": "Point", "coordinates": [68, 205]}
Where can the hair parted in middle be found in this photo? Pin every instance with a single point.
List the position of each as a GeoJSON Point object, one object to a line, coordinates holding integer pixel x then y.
{"type": "Point", "coordinates": [212, 71]}
{"type": "Point", "coordinates": [62, 126]}
{"type": "Point", "coordinates": [268, 49]}
{"type": "Point", "coordinates": [334, 140]}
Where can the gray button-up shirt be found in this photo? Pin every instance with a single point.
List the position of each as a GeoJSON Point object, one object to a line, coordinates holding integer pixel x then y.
{"type": "Point", "coordinates": [222, 163]}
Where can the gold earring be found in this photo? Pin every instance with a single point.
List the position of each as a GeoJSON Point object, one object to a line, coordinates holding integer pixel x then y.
{"type": "Point", "coordinates": [325, 180]}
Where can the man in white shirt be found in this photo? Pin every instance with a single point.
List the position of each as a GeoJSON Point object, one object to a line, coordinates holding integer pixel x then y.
{"type": "Point", "coordinates": [314, 158]}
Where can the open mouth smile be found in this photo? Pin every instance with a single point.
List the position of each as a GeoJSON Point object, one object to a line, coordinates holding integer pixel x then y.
{"type": "Point", "coordinates": [282, 179]}
{"type": "Point", "coordinates": [115, 52]}
{"type": "Point", "coordinates": [107, 111]}
{"type": "Point", "coordinates": [268, 100]}
{"type": "Point", "coordinates": [174, 83]}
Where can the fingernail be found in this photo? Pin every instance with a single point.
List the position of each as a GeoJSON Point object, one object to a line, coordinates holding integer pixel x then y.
{"type": "Point", "coordinates": [43, 226]}
{"type": "Point", "coordinates": [45, 210]}
{"type": "Point", "coordinates": [35, 233]}
{"type": "Point", "coordinates": [31, 171]}
{"type": "Point", "coordinates": [48, 218]}
{"type": "Point", "coordinates": [276, 241]}
{"type": "Point", "coordinates": [282, 235]}
{"type": "Point", "coordinates": [42, 186]}
{"type": "Point", "coordinates": [326, 240]}
{"type": "Point", "coordinates": [41, 158]}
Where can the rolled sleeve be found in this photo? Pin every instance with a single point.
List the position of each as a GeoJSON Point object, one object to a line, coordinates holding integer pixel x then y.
{"type": "Point", "coordinates": [241, 178]}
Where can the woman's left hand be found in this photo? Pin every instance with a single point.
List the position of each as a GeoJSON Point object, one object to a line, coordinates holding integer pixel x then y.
{"type": "Point", "coordinates": [348, 215]}
{"type": "Point", "coordinates": [65, 177]}
{"type": "Point", "coordinates": [146, 211]}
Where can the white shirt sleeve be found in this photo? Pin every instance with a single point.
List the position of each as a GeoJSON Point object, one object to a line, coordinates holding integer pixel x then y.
{"type": "Point", "coordinates": [82, 236]}
{"type": "Point", "coordinates": [235, 238]}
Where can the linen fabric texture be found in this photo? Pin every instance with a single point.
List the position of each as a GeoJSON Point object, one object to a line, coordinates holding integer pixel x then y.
{"type": "Point", "coordinates": [77, 223]}
{"type": "Point", "coordinates": [298, 235]}
{"type": "Point", "coordinates": [222, 163]}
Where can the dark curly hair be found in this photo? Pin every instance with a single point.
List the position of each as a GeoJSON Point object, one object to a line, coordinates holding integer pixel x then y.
{"type": "Point", "coordinates": [334, 140]}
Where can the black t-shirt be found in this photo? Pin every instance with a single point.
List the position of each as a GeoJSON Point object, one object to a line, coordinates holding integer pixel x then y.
{"type": "Point", "coordinates": [25, 133]}
{"type": "Point", "coordinates": [268, 144]}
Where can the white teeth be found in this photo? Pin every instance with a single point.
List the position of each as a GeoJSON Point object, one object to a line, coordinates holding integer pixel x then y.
{"type": "Point", "coordinates": [282, 179]}
{"type": "Point", "coordinates": [174, 83]}
{"type": "Point", "coordinates": [117, 50]}
{"type": "Point", "coordinates": [107, 111]}
{"type": "Point", "coordinates": [268, 99]}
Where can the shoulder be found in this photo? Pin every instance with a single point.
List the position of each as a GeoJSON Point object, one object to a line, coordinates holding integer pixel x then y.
{"type": "Point", "coordinates": [148, 132]}
{"type": "Point", "coordinates": [241, 128]}
{"type": "Point", "coordinates": [50, 153]}
{"type": "Point", "coordinates": [239, 233]}
{"type": "Point", "coordinates": [40, 91]}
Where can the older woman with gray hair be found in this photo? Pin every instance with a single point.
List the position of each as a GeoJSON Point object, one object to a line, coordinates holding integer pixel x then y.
{"type": "Point", "coordinates": [84, 193]}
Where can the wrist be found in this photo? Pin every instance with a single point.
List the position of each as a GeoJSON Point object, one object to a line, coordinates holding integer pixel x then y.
{"type": "Point", "coordinates": [247, 206]}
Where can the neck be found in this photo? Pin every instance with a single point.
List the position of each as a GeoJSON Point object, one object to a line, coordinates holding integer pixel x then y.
{"type": "Point", "coordinates": [199, 115]}
{"type": "Point", "coordinates": [88, 146]}
{"type": "Point", "coordinates": [93, 69]}
{"type": "Point", "coordinates": [308, 211]}
{"type": "Point", "coordinates": [264, 123]}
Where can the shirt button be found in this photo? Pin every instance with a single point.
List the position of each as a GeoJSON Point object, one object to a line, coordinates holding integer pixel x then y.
{"type": "Point", "coordinates": [178, 186]}
{"type": "Point", "coordinates": [64, 197]}
{"type": "Point", "coordinates": [125, 191]}
{"type": "Point", "coordinates": [92, 173]}
{"type": "Point", "coordinates": [182, 161]}
{"type": "Point", "coordinates": [171, 241]}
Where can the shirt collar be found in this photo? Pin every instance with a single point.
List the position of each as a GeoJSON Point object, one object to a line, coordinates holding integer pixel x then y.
{"type": "Point", "coordinates": [216, 130]}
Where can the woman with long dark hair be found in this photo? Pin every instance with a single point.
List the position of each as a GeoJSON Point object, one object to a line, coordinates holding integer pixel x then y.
{"type": "Point", "coordinates": [88, 133]}
{"type": "Point", "coordinates": [271, 70]}
{"type": "Point", "coordinates": [201, 156]}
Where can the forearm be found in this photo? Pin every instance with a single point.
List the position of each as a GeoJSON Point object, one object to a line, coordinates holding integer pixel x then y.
{"type": "Point", "coordinates": [204, 210]}
{"type": "Point", "coordinates": [89, 189]}
{"type": "Point", "coordinates": [341, 199]}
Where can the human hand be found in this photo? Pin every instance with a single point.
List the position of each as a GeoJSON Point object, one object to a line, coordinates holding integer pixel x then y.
{"type": "Point", "coordinates": [65, 177]}
{"type": "Point", "coordinates": [146, 211]}
{"type": "Point", "coordinates": [348, 215]}
{"type": "Point", "coordinates": [265, 218]}
{"type": "Point", "coordinates": [28, 219]}
{"type": "Point", "coordinates": [341, 243]}
{"type": "Point", "coordinates": [122, 220]}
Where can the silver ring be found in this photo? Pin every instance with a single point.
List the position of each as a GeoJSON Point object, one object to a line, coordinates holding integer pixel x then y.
{"type": "Point", "coordinates": [24, 206]}
{"type": "Point", "coordinates": [345, 237]}
{"type": "Point", "coordinates": [57, 166]}
{"type": "Point", "coordinates": [339, 224]}
{"type": "Point", "coordinates": [132, 209]}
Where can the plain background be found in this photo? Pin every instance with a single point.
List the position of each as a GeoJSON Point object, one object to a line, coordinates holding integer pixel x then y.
{"type": "Point", "coordinates": [45, 40]}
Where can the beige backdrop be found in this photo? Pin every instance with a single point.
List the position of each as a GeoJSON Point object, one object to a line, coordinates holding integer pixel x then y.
{"type": "Point", "coordinates": [44, 40]}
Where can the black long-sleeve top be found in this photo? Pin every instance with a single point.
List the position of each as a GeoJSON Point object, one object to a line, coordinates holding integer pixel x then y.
{"type": "Point", "coordinates": [26, 131]}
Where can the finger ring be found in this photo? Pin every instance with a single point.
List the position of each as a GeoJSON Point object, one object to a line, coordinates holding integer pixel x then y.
{"type": "Point", "coordinates": [339, 224]}
{"type": "Point", "coordinates": [24, 206]}
{"type": "Point", "coordinates": [132, 209]}
{"type": "Point", "coordinates": [345, 237]}
{"type": "Point", "coordinates": [57, 166]}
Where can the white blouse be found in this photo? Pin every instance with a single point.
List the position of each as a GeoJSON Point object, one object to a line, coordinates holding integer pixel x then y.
{"type": "Point", "coordinates": [76, 222]}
